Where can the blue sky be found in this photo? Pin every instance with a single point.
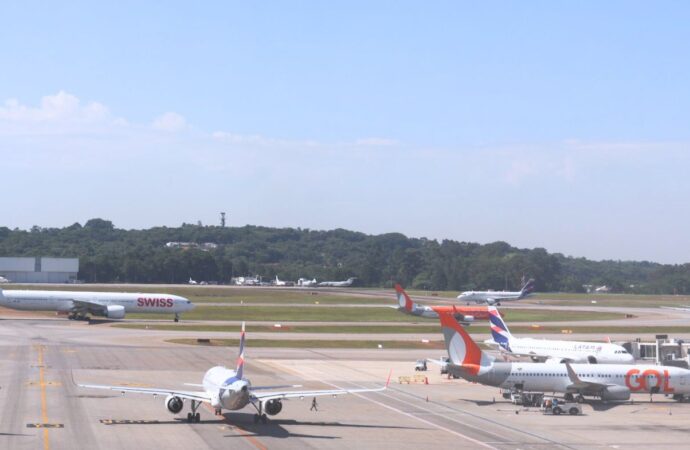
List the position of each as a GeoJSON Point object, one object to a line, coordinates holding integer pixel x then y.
{"type": "Point", "coordinates": [546, 124]}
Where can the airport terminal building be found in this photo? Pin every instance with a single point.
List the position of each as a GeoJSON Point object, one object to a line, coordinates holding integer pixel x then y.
{"type": "Point", "coordinates": [40, 269]}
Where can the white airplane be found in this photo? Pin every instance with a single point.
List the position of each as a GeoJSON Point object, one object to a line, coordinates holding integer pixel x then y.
{"type": "Point", "coordinates": [605, 381]}
{"type": "Point", "coordinates": [112, 305]}
{"type": "Point", "coordinates": [496, 297]}
{"type": "Point", "coordinates": [306, 283]}
{"type": "Point", "coordinates": [4, 280]}
{"type": "Point", "coordinates": [224, 388]}
{"type": "Point", "coordinates": [553, 351]}
{"type": "Point", "coordinates": [191, 281]}
{"type": "Point", "coordinates": [280, 283]}
{"type": "Point", "coordinates": [346, 283]}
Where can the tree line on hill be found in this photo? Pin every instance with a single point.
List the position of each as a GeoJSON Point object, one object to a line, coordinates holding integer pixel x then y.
{"type": "Point", "coordinates": [108, 254]}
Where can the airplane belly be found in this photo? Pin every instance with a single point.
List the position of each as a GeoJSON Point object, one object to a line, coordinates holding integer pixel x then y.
{"type": "Point", "coordinates": [236, 401]}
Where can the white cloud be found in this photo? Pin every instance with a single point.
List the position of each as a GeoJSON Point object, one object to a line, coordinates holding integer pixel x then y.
{"type": "Point", "coordinates": [170, 121]}
{"type": "Point", "coordinates": [376, 142]}
{"type": "Point", "coordinates": [59, 107]}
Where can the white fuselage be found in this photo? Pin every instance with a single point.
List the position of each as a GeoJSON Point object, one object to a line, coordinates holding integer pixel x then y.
{"type": "Point", "coordinates": [226, 390]}
{"type": "Point", "coordinates": [541, 377]}
{"type": "Point", "coordinates": [63, 301]}
{"type": "Point", "coordinates": [573, 351]}
{"type": "Point", "coordinates": [346, 283]}
{"type": "Point", "coordinates": [489, 297]}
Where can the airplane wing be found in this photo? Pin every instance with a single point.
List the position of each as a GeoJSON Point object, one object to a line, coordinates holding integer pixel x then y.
{"type": "Point", "coordinates": [267, 396]}
{"type": "Point", "coordinates": [189, 395]}
{"type": "Point", "coordinates": [579, 385]}
{"type": "Point", "coordinates": [438, 362]}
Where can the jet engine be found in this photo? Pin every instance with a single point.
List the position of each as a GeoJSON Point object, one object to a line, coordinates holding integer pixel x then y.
{"type": "Point", "coordinates": [115, 312]}
{"type": "Point", "coordinates": [173, 404]}
{"type": "Point", "coordinates": [617, 393]}
{"type": "Point", "coordinates": [273, 407]}
{"type": "Point", "coordinates": [592, 359]}
{"type": "Point", "coordinates": [465, 318]}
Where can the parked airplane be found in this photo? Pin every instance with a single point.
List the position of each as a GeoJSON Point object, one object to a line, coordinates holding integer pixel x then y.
{"type": "Point", "coordinates": [191, 281]}
{"type": "Point", "coordinates": [496, 297]}
{"type": "Point", "coordinates": [224, 388]}
{"type": "Point", "coordinates": [605, 381]}
{"type": "Point", "coordinates": [112, 305]}
{"type": "Point", "coordinates": [346, 283]}
{"type": "Point", "coordinates": [553, 351]}
{"type": "Point", "coordinates": [306, 283]}
{"type": "Point", "coordinates": [280, 283]}
{"type": "Point", "coordinates": [461, 313]}
{"type": "Point", "coordinates": [4, 280]}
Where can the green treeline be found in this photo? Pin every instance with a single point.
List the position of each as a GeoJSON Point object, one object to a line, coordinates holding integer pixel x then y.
{"type": "Point", "coordinates": [108, 254]}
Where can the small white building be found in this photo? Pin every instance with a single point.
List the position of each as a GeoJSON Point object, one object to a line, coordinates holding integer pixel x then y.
{"type": "Point", "coordinates": [40, 269]}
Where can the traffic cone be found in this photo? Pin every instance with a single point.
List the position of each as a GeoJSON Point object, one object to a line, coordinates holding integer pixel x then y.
{"type": "Point", "coordinates": [426, 380]}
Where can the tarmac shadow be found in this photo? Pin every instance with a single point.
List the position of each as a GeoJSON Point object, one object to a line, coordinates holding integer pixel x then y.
{"type": "Point", "coordinates": [276, 427]}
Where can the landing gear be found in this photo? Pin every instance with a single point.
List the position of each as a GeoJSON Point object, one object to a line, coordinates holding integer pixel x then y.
{"type": "Point", "coordinates": [177, 317]}
{"type": "Point", "coordinates": [580, 399]}
{"type": "Point", "coordinates": [194, 416]}
{"type": "Point", "coordinates": [260, 413]}
{"type": "Point", "coordinates": [77, 316]}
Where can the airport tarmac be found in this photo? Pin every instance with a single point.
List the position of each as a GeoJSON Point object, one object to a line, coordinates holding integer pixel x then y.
{"type": "Point", "coordinates": [42, 408]}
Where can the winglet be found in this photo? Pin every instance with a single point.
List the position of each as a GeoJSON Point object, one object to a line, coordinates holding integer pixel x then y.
{"type": "Point", "coordinates": [240, 357]}
{"type": "Point", "coordinates": [571, 374]}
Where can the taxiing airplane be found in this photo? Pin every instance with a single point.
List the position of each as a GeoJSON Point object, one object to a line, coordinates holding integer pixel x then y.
{"type": "Point", "coordinates": [78, 305]}
{"type": "Point", "coordinates": [496, 297]}
{"type": "Point", "coordinates": [606, 381]}
{"type": "Point", "coordinates": [346, 283]}
{"type": "Point", "coordinates": [553, 351]}
{"type": "Point", "coordinates": [224, 388]}
{"type": "Point", "coordinates": [463, 314]}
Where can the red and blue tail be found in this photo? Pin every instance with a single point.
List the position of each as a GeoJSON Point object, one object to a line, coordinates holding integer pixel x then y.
{"type": "Point", "coordinates": [499, 330]}
{"type": "Point", "coordinates": [462, 350]}
{"type": "Point", "coordinates": [240, 357]}
{"type": "Point", "coordinates": [527, 289]}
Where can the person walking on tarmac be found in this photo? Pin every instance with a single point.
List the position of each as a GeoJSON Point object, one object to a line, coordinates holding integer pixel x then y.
{"type": "Point", "coordinates": [314, 406]}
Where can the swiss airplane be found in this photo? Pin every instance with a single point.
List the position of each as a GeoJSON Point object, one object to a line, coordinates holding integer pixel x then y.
{"type": "Point", "coordinates": [606, 381]}
{"type": "Point", "coordinates": [496, 297]}
{"type": "Point", "coordinates": [224, 388]}
{"type": "Point", "coordinates": [79, 305]}
{"type": "Point", "coordinates": [553, 351]}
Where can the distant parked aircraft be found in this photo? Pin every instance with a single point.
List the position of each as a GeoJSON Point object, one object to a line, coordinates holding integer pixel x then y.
{"type": "Point", "coordinates": [496, 297]}
{"type": "Point", "coordinates": [306, 283]}
{"type": "Point", "coordinates": [224, 388]}
{"type": "Point", "coordinates": [79, 305]}
{"type": "Point", "coordinates": [280, 283]}
{"type": "Point", "coordinates": [4, 280]}
{"type": "Point", "coordinates": [337, 283]}
{"type": "Point", "coordinates": [191, 281]}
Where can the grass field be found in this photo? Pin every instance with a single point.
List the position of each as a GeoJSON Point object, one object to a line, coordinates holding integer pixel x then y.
{"type": "Point", "coordinates": [479, 328]}
{"type": "Point", "coordinates": [334, 314]}
{"type": "Point", "coordinates": [284, 343]}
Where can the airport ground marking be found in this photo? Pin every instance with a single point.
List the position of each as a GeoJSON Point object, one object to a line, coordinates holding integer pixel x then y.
{"type": "Point", "coordinates": [44, 403]}
{"type": "Point", "coordinates": [412, 416]}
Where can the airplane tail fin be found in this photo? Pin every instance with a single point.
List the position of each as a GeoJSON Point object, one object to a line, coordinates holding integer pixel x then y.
{"type": "Point", "coordinates": [462, 350]}
{"type": "Point", "coordinates": [404, 300]}
{"type": "Point", "coordinates": [528, 288]}
{"type": "Point", "coordinates": [499, 330]}
{"type": "Point", "coordinates": [240, 357]}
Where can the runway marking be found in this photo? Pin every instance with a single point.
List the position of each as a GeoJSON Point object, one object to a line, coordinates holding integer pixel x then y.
{"type": "Point", "coordinates": [44, 403]}
{"type": "Point", "coordinates": [127, 422]}
{"type": "Point", "coordinates": [47, 383]}
{"type": "Point", "coordinates": [250, 438]}
{"type": "Point", "coordinates": [45, 425]}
